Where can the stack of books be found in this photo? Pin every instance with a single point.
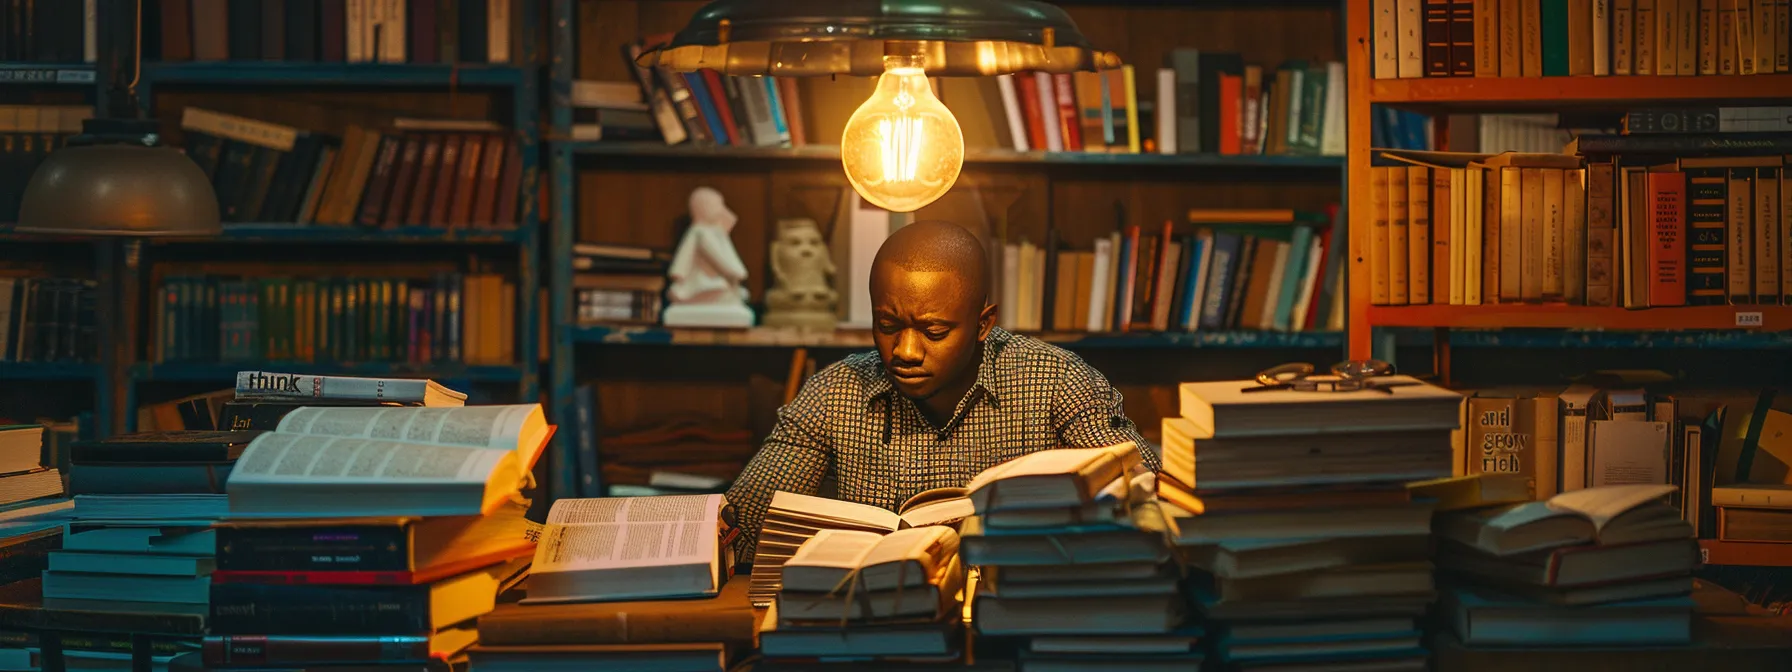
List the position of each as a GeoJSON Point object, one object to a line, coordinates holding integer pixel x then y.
{"type": "Point", "coordinates": [851, 595]}
{"type": "Point", "coordinates": [1072, 558]}
{"type": "Point", "coordinates": [143, 503]}
{"type": "Point", "coordinates": [792, 519]}
{"type": "Point", "coordinates": [618, 284]}
{"type": "Point", "coordinates": [626, 583]}
{"type": "Point", "coordinates": [32, 508]}
{"type": "Point", "coordinates": [1311, 550]}
{"type": "Point", "coordinates": [1609, 565]}
{"type": "Point", "coordinates": [372, 534]}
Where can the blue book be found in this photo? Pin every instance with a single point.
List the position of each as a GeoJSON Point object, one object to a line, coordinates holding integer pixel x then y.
{"type": "Point", "coordinates": [1187, 311]}
{"type": "Point", "coordinates": [777, 103]}
{"type": "Point", "coordinates": [1124, 276]}
{"type": "Point", "coordinates": [1482, 617]}
{"type": "Point", "coordinates": [706, 106]}
{"type": "Point", "coordinates": [1293, 276]}
{"type": "Point", "coordinates": [1214, 305]}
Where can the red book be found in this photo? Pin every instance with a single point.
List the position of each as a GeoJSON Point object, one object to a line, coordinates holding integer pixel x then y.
{"type": "Point", "coordinates": [719, 94]}
{"type": "Point", "coordinates": [1325, 246]}
{"type": "Point", "coordinates": [1231, 104]}
{"type": "Point", "coordinates": [333, 33]}
{"type": "Point", "coordinates": [1667, 248]}
{"type": "Point", "coordinates": [1027, 89]}
{"type": "Point", "coordinates": [373, 578]}
{"type": "Point", "coordinates": [1068, 118]}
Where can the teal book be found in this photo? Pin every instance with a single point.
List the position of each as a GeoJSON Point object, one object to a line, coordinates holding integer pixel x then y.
{"type": "Point", "coordinates": [1483, 617]}
{"type": "Point", "coordinates": [1554, 21]}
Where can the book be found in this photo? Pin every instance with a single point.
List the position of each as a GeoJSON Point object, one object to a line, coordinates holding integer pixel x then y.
{"type": "Point", "coordinates": [1482, 617]}
{"type": "Point", "coordinates": [929, 640]}
{"type": "Point", "coordinates": [269, 386]}
{"type": "Point", "coordinates": [386, 461]}
{"type": "Point", "coordinates": [163, 447]}
{"type": "Point", "coordinates": [870, 562]}
{"type": "Point", "coordinates": [1570, 566]}
{"type": "Point", "coordinates": [259, 608]}
{"type": "Point", "coordinates": [1246, 558]}
{"type": "Point", "coordinates": [1137, 539]}
{"type": "Point", "coordinates": [695, 656]}
{"type": "Point", "coordinates": [400, 550]}
{"type": "Point", "coordinates": [280, 650]}
{"type": "Point", "coordinates": [1227, 409]}
{"type": "Point", "coordinates": [21, 446]}
{"type": "Point", "coordinates": [1474, 491]}
{"type": "Point", "coordinates": [728, 617]}
{"type": "Point", "coordinates": [1607, 515]}
{"type": "Point", "coordinates": [1052, 478]}
{"type": "Point", "coordinates": [791, 519]}
{"type": "Point", "coordinates": [159, 509]}
{"type": "Point", "coordinates": [629, 548]}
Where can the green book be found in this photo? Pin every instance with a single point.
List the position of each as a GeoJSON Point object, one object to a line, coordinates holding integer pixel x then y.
{"type": "Point", "coordinates": [1554, 21]}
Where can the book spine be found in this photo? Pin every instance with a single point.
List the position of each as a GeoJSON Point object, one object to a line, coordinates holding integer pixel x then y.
{"type": "Point", "coordinates": [1667, 253]}
{"type": "Point", "coordinates": [1739, 233]}
{"type": "Point", "coordinates": [1462, 39]}
{"type": "Point", "coordinates": [250, 608]}
{"type": "Point", "coordinates": [251, 384]}
{"type": "Point", "coordinates": [277, 650]}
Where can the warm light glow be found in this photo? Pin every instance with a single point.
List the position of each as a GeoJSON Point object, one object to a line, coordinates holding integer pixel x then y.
{"type": "Point", "coordinates": [902, 149]}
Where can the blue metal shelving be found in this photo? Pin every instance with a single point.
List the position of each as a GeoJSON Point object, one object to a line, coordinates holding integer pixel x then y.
{"type": "Point", "coordinates": [17, 371]}
{"type": "Point", "coordinates": [225, 372]}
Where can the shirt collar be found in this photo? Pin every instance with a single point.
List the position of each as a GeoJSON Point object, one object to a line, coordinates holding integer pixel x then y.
{"type": "Point", "coordinates": [878, 383]}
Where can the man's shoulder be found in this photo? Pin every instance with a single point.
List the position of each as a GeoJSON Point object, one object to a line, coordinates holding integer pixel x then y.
{"type": "Point", "coordinates": [856, 373]}
{"type": "Point", "coordinates": [1020, 349]}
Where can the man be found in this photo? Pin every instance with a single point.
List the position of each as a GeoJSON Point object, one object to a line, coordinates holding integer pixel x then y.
{"type": "Point", "coordinates": [946, 395]}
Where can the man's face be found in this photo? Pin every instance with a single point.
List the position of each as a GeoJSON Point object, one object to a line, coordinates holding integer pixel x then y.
{"type": "Point", "coordinates": [928, 329]}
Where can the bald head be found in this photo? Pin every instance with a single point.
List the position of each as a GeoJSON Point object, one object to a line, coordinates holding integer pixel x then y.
{"type": "Point", "coordinates": [938, 247]}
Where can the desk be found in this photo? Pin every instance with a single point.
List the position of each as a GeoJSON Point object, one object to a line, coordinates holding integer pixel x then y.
{"type": "Point", "coordinates": [22, 609]}
{"type": "Point", "coordinates": [1720, 644]}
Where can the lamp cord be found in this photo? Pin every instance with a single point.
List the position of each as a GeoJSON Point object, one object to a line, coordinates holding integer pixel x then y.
{"type": "Point", "coordinates": [137, 46]}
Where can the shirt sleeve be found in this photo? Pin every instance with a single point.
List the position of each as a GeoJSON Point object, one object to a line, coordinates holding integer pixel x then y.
{"type": "Point", "coordinates": [794, 459]}
{"type": "Point", "coordinates": [1089, 413]}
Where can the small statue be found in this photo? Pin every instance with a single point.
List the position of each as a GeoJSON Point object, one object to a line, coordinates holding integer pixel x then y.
{"type": "Point", "coordinates": [706, 272]}
{"type": "Point", "coordinates": [802, 267]}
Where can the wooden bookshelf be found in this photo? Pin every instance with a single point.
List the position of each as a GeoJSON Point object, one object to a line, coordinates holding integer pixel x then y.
{"type": "Point", "coordinates": [1483, 94]}
{"type": "Point", "coordinates": [633, 149]}
{"type": "Point", "coordinates": [1714, 552]}
{"type": "Point", "coordinates": [226, 371]}
{"type": "Point", "coordinates": [1488, 94]}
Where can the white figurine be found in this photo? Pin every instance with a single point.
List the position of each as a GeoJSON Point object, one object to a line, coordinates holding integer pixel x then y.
{"type": "Point", "coordinates": [803, 292]}
{"type": "Point", "coordinates": [706, 272]}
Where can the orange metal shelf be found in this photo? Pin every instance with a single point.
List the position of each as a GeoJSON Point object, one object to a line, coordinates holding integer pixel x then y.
{"type": "Point", "coordinates": [1745, 553]}
{"type": "Point", "coordinates": [1557, 92]}
{"type": "Point", "coordinates": [1771, 318]}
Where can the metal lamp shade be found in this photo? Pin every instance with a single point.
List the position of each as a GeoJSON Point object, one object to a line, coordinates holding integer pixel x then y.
{"type": "Point", "coordinates": [805, 38]}
{"type": "Point", "coordinates": [119, 190]}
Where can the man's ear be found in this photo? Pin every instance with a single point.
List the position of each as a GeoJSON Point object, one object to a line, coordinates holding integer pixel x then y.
{"type": "Point", "coordinates": [985, 321]}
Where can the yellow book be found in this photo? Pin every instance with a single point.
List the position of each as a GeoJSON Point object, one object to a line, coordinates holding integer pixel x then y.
{"type": "Point", "coordinates": [1473, 491]}
{"type": "Point", "coordinates": [1132, 109]}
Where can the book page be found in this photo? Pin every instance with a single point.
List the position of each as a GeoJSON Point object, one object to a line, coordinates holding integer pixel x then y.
{"type": "Point", "coordinates": [823, 507]}
{"type": "Point", "coordinates": [913, 544]}
{"type": "Point", "coordinates": [495, 427]}
{"type": "Point", "coordinates": [612, 532]}
{"type": "Point", "coordinates": [1602, 504]}
{"type": "Point", "coordinates": [835, 548]}
{"type": "Point", "coordinates": [1045, 462]}
{"type": "Point", "coordinates": [293, 458]}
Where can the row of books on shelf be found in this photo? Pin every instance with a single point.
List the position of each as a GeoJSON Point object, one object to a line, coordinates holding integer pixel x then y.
{"type": "Point", "coordinates": [47, 32]}
{"type": "Point", "coordinates": [1557, 38]}
{"type": "Point", "coordinates": [1206, 103]}
{"type": "Point", "coordinates": [1281, 276]}
{"type": "Point", "coordinates": [452, 317]}
{"type": "Point", "coordinates": [1595, 434]}
{"type": "Point", "coordinates": [352, 31]}
{"type": "Point", "coordinates": [445, 175]}
{"type": "Point", "coordinates": [1636, 231]}
{"type": "Point", "coordinates": [618, 284]}
{"type": "Point", "coordinates": [48, 320]}
{"type": "Point", "coordinates": [28, 133]}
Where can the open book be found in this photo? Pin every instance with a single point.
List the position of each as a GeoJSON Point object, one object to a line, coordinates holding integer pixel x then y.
{"type": "Point", "coordinates": [792, 519]}
{"type": "Point", "coordinates": [864, 575]}
{"type": "Point", "coordinates": [629, 548]}
{"type": "Point", "coordinates": [389, 461]}
{"type": "Point", "coordinates": [1049, 479]}
{"type": "Point", "coordinates": [1615, 514]}
{"type": "Point", "coordinates": [270, 386]}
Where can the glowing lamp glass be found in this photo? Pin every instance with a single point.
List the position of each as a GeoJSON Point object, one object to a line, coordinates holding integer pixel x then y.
{"type": "Point", "coordinates": [902, 149]}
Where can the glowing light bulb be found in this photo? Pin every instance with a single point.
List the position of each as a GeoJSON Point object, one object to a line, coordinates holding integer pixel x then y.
{"type": "Point", "coordinates": [902, 149]}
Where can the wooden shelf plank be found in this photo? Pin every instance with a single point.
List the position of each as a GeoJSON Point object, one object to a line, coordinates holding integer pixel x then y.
{"type": "Point", "coordinates": [861, 339]}
{"type": "Point", "coordinates": [1768, 318]}
{"type": "Point", "coordinates": [1714, 552]}
{"type": "Point", "coordinates": [634, 149]}
{"type": "Point", "coordinates": [49, 370]}
{"type": "Point", "coordinates": [1559, 92]}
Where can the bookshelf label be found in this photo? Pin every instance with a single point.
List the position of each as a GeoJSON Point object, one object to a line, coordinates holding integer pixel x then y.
{"type": "Point", "coordinates": [1704, 555]}
{"type": "Point", "coordinates": [1748, 319]}
{"type": "Point", "coordinates": [46, 76]}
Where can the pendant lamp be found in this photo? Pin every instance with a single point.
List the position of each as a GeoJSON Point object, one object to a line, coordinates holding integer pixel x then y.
{"type": "Point", "coordinates": [115, 178]}
{"type": "Point", "coordinates": [902, 148]}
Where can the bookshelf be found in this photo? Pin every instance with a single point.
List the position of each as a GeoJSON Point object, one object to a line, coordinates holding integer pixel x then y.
{"type": "Point", "coordinates": [128, 266]}
{"type": "Point", "coordinates": [1071, 192]}
{"type": "Point", "coordinates": [1729, 327]}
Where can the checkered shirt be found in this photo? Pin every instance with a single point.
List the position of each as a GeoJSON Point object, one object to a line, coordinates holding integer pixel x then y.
{"type": "Point", "coordinates": [849, 424]}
